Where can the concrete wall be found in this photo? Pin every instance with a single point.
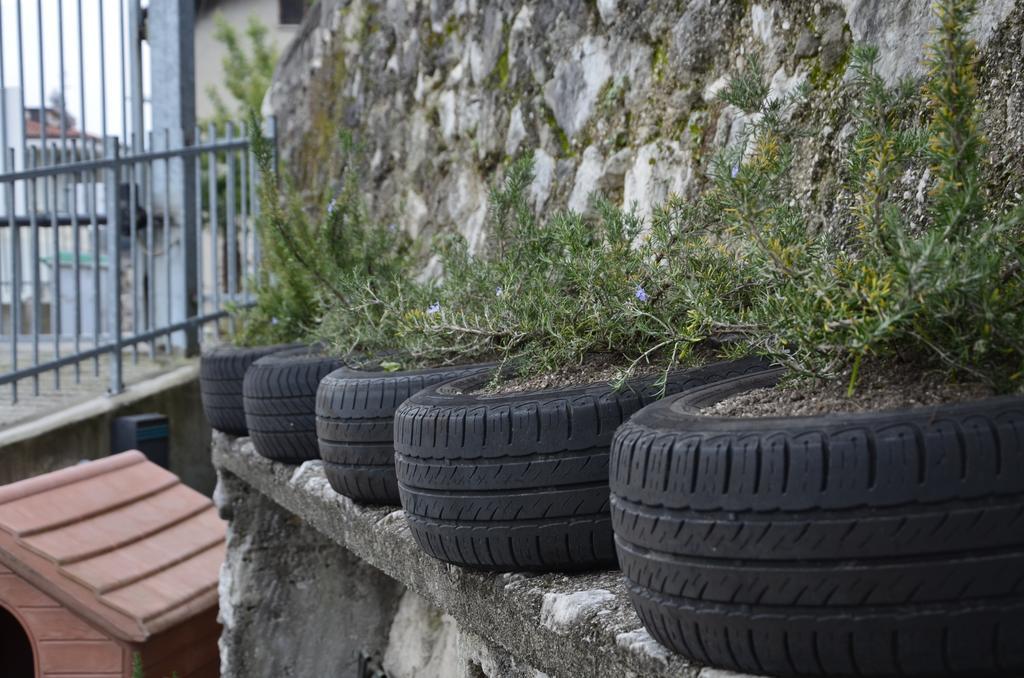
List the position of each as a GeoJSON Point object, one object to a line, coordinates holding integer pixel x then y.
{"type": "Point", "coordinates": [83, 431]}
{"type": "Point", "coordinates": [293, 603]}
{"type": "Point", "coordinates": [313, 580]}
{"type": "Point", "coordinates": [210, 53]}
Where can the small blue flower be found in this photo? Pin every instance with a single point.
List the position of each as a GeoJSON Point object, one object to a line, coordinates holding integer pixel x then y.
{"type": "Point", "coordinates": [498, 291]}
{"type": "Point", "coordinates": [331, 206]}
{"type": "Point", "coordinates": [641, 293]}
{"type": "Point", "coordinates": [273, 321]}
{"type": "Point", "coordinates": [434, 308]}
{"type": "Point", "coordinates": [393, 228]}
{"type": "Point", "coordinates": [735, 170]}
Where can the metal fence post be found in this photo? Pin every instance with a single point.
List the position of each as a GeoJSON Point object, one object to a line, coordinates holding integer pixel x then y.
{"type": "Point", "coordinates": [111, 174]}
{"type": "Point", "coordinates": [171, 34]}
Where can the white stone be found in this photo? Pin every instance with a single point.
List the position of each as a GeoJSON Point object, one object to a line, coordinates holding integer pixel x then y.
{"type": "Point", "coordinates": [608, 9]}
{"type": "Point", "coordinates": [588, 180]}
{"type": "Point", "coordinates": [523, 20]}
{"type": "Point", "coordinates": [561, 610]}
{"type": "Point", "coordinates": [761, 20]}
{"type": "Point", "coordinates": [713, 88]}
{"type": "Point", "coordinates": [901, 29]}
{"type": "Point", "coordinates": [516, 131]}
{"type": "Point", "coordinates": [641, 642]}
{"type": "Point", "coordinates": [708, 672]}
{"type": "Point", "coordinates": [572, 92]}
{"type": "Point", "coordinates": [447, 115]}
{"type": "Point", "coordinates": [422, 643]}
{"type": "Point", "coordinates": [416, 213]}
{"type": "Point", "coordinates": [782, 84]}
{"type": "Point", "coordinates": [543, 173]}
{"type": "Point", "coordinates": [467, 205]}
{"type": "Point", "coordinates": [658, 170]}
{"type": "Point", "coordinates": [615, 168]}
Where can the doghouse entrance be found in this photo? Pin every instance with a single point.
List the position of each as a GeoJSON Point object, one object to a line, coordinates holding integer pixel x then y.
{"type": "Point", "coordinates": [15, 647]}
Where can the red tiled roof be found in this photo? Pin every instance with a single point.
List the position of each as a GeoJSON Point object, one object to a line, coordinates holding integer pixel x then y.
{"type": "Point", "coordinates": [33, 131]}
{"type": "Point", "coordinates": [120, 541]}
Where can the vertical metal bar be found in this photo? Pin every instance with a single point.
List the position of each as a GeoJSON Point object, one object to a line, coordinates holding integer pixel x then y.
{"type": "Point", "coordinates": [197, 166]}
{"type": "Point", "coordinates": [12, 223]}
{"type": "Point", "coordinates": [150, 257]}
{"type": "Point", "coordinates": [243, 158]}
{"type": "Point", "coordinates": [63, 179]}
{"type": "Point", "coordinates": [232, 250]}
{"type": "Point", "coordinates": [130, 168]}
{"type": "Point", "coordinates": [211, 170]}
{"type": "Point", "coordinates": [42, 78]}
{"type": "Point", "coordinates": [32, 206]}
{"type": "Point", "coordinates": [24, 163]}
{"type": "Point", "coordinates": [3, 134]}
{"type": "Point", "coordinates": [3, 105]}
{"type": "Point", "coordinates": [121, 37]}
{"type": "Point", "coordinates": [55, 323]}
{"type": "Point", "coordinates": [135, 53]}
{"type": "Point", "coordinates": [95, 232]}
{"type": "Point", "coordinates": [254, 209]}
{"type": "Point", "coordinates": [63, 100]}
{"type": "Point", "coordinates": [167, 235]}
{"type": "Point", "coordinates": [81, 78]}
{"type": "Point", "coordinates": [111, 152]}
{"type": "Point", "coordinates": [21, 92]}
{"type": "Point", "coordinates": [76, 266]}
{"type": "Point", "coordinates": [103, 75]}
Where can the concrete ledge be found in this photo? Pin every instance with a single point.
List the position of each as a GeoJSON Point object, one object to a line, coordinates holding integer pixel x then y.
{"type": "Point", "coordinates": [564, 625]}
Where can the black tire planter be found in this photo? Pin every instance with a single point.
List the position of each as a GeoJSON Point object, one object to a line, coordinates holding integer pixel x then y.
{"type": "Point", "coordinates": [280, 403]}
{"type": "Point", "coordinates": [221, 371]}
{"type": "Point", "coordinates": [355, 413]}
{"type": "Point", "coordinates": [869, 544]}
{"type": "Point", "coordinates": [519, 481]}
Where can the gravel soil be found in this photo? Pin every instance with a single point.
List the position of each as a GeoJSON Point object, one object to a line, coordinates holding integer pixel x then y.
{"type": "Point", "coordinates": [882, 387]}
{"type": "Point", "coordinates": [595, 369]}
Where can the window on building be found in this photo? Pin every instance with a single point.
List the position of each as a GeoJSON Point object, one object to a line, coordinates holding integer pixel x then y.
{"type": "Point", "coordinates": [291, 11]}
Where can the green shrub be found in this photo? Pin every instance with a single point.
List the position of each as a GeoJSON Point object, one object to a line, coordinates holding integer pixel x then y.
{"type": "Point", "coordinates": [315, 259]}
{"type": "Point", "coordinates": [943, 293]}
{"type": "Point", "coordinates": [547, 294]}
{"type": "Point", "coordinates": [744, 268]}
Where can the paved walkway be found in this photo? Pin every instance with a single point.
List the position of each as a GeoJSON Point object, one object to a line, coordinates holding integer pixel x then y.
{"type": "Point", "coordinates": [92, 379]}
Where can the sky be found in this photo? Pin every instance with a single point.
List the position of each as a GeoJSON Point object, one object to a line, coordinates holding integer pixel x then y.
{"type": "Point", "coordinates": [57, 14]}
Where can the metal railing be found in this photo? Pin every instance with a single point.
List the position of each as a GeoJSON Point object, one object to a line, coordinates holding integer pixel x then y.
{"type": "Point", "coordinates": [111, 245]}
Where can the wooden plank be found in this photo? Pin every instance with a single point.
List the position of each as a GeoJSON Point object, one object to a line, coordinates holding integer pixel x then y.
{"type": "Point", "coordinates": [18, 593]}
{"type": "Point", "coordinates": [196, 631]}
{"type": "Point", "coordinates": [58, 623]}
{"type": "Point", "coordinates": [152, 555]}
{"type": "Point", "coordinates": [169, 588]}
{"type": "Point", "coordinates": [77, 501]}
{"type": "Point", "coordinates": [80, 656]}
{"type": "Point", "coordinates": [118, 527]}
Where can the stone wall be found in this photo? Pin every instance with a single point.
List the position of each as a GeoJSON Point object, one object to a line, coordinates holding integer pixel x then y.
{"type": "Point", "coordinates": [614, 96]}
{"type": "Point", "coordinates": [312, 582]}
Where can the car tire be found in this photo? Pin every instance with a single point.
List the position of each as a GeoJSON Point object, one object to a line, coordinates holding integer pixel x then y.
{"type": "Point", "coordinates": [868, 544]}
{"type": "Point", "coordinates": [279, 392]}
{"type": "Point", "coordinates": [355, 413]}
{"type": "Point", "coordinates": [519, 481]}
{"type": "Point", "coordinates": [221, 372]}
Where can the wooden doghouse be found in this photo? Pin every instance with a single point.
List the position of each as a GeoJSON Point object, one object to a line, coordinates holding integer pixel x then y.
{"type": "Point", "coordinates": [104, 561]}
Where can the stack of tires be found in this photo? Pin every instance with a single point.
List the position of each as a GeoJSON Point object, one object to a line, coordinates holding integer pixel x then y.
{"type": "Point", "coordinates": [876, 544]}
{"type": "Point", "coordinates": [267, 393]}
{"type": "Point", "coordinates": [221, 373]}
